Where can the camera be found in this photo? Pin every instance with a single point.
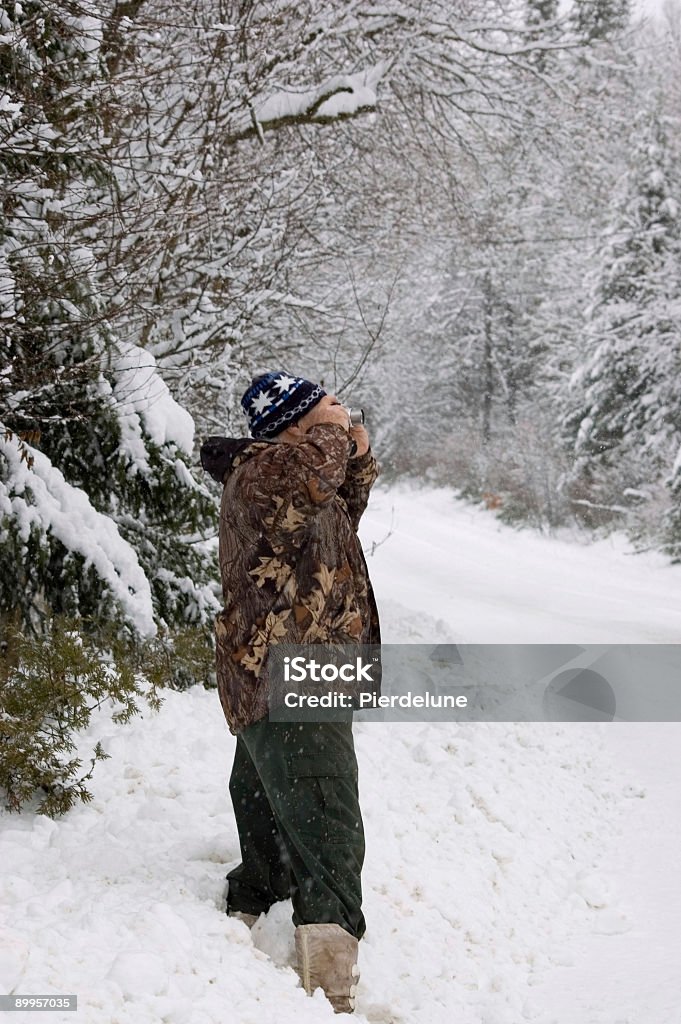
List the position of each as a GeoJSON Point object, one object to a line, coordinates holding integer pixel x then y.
{"type": "Point", "coordinates": [356, 417]}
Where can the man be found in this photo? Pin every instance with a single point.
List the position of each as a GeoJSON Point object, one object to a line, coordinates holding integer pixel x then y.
{"type": "Point", "coordinates": [293, 571]}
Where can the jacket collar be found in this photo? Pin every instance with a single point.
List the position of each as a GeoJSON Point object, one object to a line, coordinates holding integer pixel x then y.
{"type": "Point", "coordinates": [220, 455]}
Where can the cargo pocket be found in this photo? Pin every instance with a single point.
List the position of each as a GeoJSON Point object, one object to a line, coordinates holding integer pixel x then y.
{"type": "Point", "coordinates": [325, 798]}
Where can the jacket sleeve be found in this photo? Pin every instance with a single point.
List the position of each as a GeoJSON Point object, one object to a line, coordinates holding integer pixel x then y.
{"type": "Point", "coordinates": [360, 477]}
{"type": "Point", "coordinates": [288, 485]}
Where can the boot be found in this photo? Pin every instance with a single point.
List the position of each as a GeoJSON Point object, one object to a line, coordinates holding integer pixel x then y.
{"type": "Point", "coordinates": [327, 959]}
{"type": "Point", "coordinates": [248, 919]}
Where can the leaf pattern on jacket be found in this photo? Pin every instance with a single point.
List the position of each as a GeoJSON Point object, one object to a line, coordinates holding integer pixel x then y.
{"type": "Point", "coordinates": [291, 563]}
{"type": "Point", "coordinates": [325, 577]}
{"type": "Point", "coordinates": [314, 602]}
{"type": "Point", "coordinates": [286, 517]}
{"type": "Point", "coordinates": [271, 569]}
{"type": "Point", "coordinates": [348, 622]}
{"type": "Point", "coordinates": [271, 632]}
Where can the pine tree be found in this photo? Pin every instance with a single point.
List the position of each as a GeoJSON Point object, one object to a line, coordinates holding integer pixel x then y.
{"type": "Point", "coordinates": [539, 11]}
{"type": "Point", "coordinates": [600, 19]}
{"type": "Point", "coordinates": [626, 427]}
{"type": "Point", "coordinates": [99, 513]}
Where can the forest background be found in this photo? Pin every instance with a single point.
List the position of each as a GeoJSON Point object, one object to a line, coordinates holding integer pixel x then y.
{"type": "Point", "coordinates": [462, 217]}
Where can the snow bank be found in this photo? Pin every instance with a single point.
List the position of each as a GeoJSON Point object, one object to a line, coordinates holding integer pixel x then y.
{"type": "Point", "coordinates": [484, 867]}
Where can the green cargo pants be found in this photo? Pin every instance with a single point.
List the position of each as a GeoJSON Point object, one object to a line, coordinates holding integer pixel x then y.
{"type": "Point", "coordinates": [296, 802]}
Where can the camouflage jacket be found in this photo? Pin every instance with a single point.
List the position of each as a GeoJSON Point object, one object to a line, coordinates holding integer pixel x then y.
{"type": "Point", "coordinates": [291, 563]}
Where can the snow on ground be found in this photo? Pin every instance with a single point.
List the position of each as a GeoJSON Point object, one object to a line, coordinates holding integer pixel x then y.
{"type": "Point", "coordinates": [494, 584]}
{"type": "Point", "coordinates": [514, 872]}
{"type": "Point", "coordinates": [481, 859]}
{"type": "Point", "coordinates": [632, 975]}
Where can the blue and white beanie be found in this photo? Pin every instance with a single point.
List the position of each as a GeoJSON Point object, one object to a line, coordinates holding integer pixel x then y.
{"type": "Point", "coordinates": [277, 400]}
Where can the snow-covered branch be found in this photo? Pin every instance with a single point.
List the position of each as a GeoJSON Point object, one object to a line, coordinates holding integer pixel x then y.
{"type": "Point", "coordinates": [339, 98]}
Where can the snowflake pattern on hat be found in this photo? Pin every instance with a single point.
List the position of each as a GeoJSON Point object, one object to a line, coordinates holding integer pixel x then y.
{"type": "Point", "coordinates": [275, 401]}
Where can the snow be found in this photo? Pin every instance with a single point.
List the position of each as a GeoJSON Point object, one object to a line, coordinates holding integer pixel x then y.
{"type": "Point", "coordinates": [141, 393]}
{"type": "Point", "coordinates": [7, 308]}
{"type": "Point", "coordinates": [639, 969]}
{"type": "Point", "coordinates": [347, 94]}
{"type": "Point", "coordinates": [677, 464]}
{"type": "Point", "coordinates": [347, 100]}
{"type": "Point", "coordinates": [89, 31]}
{"type": "Point", "coordinates": [491, 583]}
{"type": "Point", "coordinates": [40, 496]}
{"type": "Point", "coordinates": [514, 872]}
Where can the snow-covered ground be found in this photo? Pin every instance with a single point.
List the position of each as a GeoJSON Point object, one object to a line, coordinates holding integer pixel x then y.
{"type": "Point", "coordinates": [514, 872]}
{"type": "Point", "coordinates": [492, 584]}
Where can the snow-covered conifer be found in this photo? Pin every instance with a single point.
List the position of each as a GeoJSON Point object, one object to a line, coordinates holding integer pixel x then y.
{"type": "Point", "coordinates": [100, 515]}
{"type": "Point", "coordinates": [626, 420]}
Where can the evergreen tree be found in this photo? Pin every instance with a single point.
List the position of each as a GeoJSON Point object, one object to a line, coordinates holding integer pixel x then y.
{"type": "Point", "coordinates": [539, 14]}
{"type": "Point", "coordinates": [626, 427]}
{"type": "Point", "coordinates": [600, 19]}
{"type": "Point", "coordinates": [539, 11]}
{"type": "Point", "coordinates": [99, 514]}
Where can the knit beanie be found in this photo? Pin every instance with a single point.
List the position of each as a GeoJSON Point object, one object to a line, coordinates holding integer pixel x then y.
{"type": "Point", "coordinates": [275, 401]}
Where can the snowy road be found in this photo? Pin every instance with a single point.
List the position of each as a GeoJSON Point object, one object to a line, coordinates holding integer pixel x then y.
{"type": "Point", "coordinates": [493, 584]}
{"type": "Point", "coordinates": [497, 585]}
{"type": "Point", "coordinates": [516, 873]}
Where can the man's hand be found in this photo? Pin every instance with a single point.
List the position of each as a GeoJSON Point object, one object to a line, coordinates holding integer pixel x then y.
{"type": "Point", "coordinates": [330, 410]}
{"type": "Point", "coordinates": [361, 438]}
